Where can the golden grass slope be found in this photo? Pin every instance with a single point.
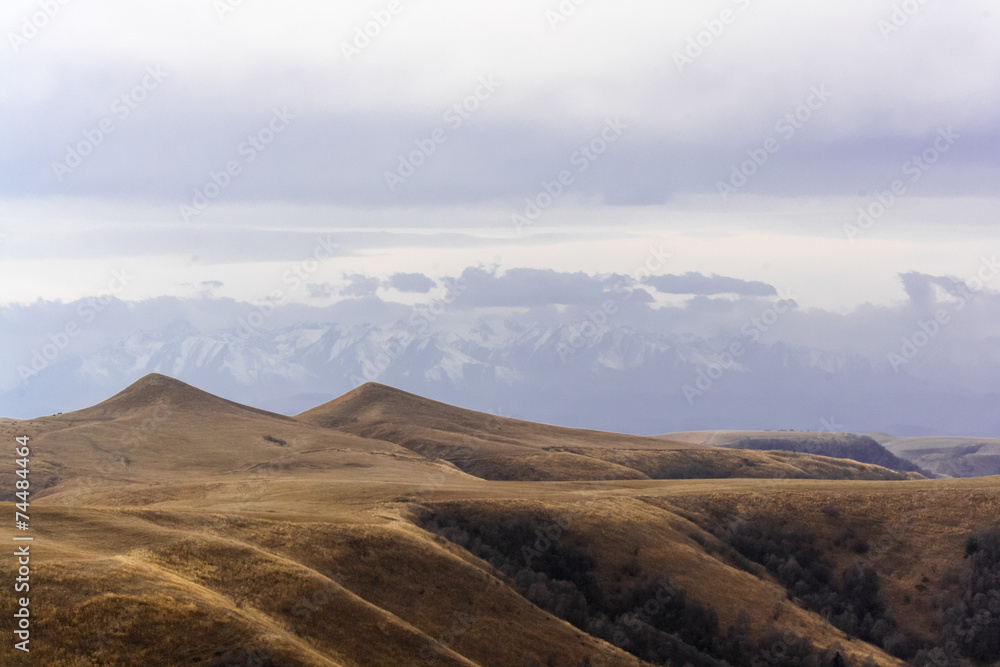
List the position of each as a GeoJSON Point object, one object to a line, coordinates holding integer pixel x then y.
{"type": "Point", "coordinates": [500, 448]}
{"type": "Point", "coordinates": [204, 542]}
{"type": "Point", "coordinates": [160, 429]}
{"type": "Point", "coordinates": [319, 589]}
{"type": "Point", "coordinates": [192, 588]}
{"type": "Point", "coordinates": [375, 410]}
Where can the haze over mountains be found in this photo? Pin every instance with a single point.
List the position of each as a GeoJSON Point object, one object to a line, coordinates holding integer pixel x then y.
{"type": "Point", "coordinates": [952, 457]}
{"type": "Point", "coordinates": [537, 365]}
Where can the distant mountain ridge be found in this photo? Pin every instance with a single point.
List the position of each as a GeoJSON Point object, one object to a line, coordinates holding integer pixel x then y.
{"type": "Point", "coordinates": [512, 368]}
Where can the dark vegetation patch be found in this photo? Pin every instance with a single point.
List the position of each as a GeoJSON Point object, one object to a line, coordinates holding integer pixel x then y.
{"type": "Point", "coordinates": [850, 600]}
{"type": "Point", "coordinates": [970, 612]}
{"type": "Point", "coordinates": [643, 613]}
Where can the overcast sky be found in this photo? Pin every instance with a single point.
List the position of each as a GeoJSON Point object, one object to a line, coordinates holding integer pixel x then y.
{"type": "Point", "coordinates": [212, 147]}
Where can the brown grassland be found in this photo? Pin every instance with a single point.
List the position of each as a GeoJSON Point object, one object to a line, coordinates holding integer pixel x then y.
{"type": "Point", "coordinates": [173, 527]}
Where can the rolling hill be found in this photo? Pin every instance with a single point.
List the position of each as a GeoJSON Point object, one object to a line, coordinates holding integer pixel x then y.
{"type": "Point", "coordinates": [173, 527]}
{"type": "Point", "coordinates": [501, 448]}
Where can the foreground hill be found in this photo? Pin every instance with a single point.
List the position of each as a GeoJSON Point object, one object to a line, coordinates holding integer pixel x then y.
{"type": "Point", "coordinates": [861, 448]}
{"type": "Point", "coordinates": [217, 545]}
{"type": "Point", "coordinates": [947, 456]}
{"type": "Point", "coordinates": [500, 448]}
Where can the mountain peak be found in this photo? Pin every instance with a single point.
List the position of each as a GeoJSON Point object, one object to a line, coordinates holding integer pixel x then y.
{"type": "Point", "coordinates": [375, 391]}
{"type": "Point", "coordinates": [369, 400]}
{"type": "Point", "coordinates": [156, 391]}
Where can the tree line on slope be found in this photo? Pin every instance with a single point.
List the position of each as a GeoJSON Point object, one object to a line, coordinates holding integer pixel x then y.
{"type": "Point", "coordinates": [970, 612]}
{"type": "Point", "coordinates": [644, 614]}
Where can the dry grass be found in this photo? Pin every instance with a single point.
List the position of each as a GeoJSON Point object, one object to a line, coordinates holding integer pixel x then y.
{"type": "Point", "coordinates": [214, 542]}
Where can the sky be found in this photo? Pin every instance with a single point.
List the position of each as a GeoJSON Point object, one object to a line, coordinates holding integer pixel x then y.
{"type": "Point", "coordinates": [316, 153]}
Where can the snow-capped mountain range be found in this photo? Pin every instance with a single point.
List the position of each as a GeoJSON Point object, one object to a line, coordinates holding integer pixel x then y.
{"type": "Point", "coordinates": [611, 377]}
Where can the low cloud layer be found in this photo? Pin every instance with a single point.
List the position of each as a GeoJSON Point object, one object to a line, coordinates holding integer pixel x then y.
{"type": "Point", "coordinates": [702, 285]}
{"type": "Point", "coordinates": [415, 283]}
{"type": "Point", "coordinates": [527, 288]}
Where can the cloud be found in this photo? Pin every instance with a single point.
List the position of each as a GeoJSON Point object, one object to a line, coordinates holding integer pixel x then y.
{"type": "Point", "coordinates": [360, 286]}
{"type": "Point", "coordinates": [702, 285]}
{"type": "Point", "coordinates": [528, 288]}
{"type": "Point", "coordinates": [686, 133]}
{"type": "Point", "coordinates": [410, 282]}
